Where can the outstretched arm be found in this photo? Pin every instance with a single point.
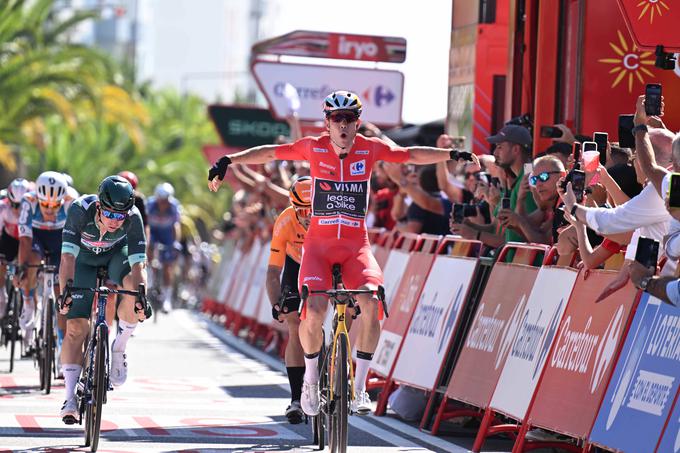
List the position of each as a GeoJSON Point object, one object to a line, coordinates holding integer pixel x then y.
{"type": "Point", "coordinates": [257, 155]}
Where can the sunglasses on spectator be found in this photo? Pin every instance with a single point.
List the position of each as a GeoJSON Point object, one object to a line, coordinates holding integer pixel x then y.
{"type": "Point", "coordinates": [340, 117]}
{"type": "Point", "coordinates": [49, 204]}
{"type": "Point", "coordinates": [15, 205]}
{"type": "Point", "coordinates": [303, 212]}
{"type": "Point", "coordinates": [543, 176]}
{"type": "Point", "coordinates": [114, 215]}
{"type": "Point", "coordinates": [472, 174]}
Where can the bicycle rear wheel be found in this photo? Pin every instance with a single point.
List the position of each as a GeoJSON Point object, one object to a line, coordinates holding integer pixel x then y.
{"type": "Point", "coordinates": [48, 345]}
{"type": "Point", "coordinates": [99, 390]}
{"type": "Point", "coordinates": [341, 397]}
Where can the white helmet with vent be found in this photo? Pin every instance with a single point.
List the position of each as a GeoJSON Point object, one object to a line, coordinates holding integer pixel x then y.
{"type": "Point", "coordinates": [51, 187]}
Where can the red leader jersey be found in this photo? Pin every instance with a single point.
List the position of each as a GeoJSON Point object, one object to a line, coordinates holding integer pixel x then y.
{"type": "Point", "coordinates": [340, 187]}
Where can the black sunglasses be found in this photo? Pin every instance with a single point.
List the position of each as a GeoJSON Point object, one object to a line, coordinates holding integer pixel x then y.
{"type": "Point", "coordinates": [340, 117]}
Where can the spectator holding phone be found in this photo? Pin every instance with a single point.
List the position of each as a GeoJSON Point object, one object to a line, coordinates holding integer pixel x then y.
{"type": "Point", "coordinates": [539, 226]}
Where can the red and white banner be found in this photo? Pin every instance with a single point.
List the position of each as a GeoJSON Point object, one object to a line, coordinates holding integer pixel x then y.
{"type": "Point", "coordinates": [257, 292]}
{"type": "Point", "coordinates": [435, 320]}
{"type": "Point", "coordinates": [491, 334]}
{"type": "Point", "coordinates": [586, 348]}
{"type": "Point", "coordinates": [532, 341]}
{"type": "Point", "coordinates": [401, 310]}
{"type": "Point", "coordinates": [344, 46]}
{"type": "Point", "coordinates": [244, 277]}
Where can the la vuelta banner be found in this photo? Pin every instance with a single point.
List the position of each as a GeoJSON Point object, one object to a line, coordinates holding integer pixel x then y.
{"type": "Point", "coordinates": [645, 381]}
{"type": "Point", "coordinates": [531, 345]}
{"type": "Point", "coordinates": [496, 323]}
{"type": "Point", "coordinates": [578, 369]}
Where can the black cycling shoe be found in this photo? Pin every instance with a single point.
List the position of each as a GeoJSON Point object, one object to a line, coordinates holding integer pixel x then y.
{"type": "Point", "coordinates": [294, 413]}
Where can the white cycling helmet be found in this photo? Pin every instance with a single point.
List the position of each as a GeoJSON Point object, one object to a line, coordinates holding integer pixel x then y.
{"type": "Point", "coordinates": [51, 187]}
{"type": "Point", "coordinates": [342, 100]}
{"type": "Point", "coordinates": [164, 191]}
{"type": "Point", "coordinates": [17, 189]}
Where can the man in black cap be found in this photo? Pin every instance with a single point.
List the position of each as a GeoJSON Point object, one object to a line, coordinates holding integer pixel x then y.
{"type": "Point", "coordinates": [513, 150]}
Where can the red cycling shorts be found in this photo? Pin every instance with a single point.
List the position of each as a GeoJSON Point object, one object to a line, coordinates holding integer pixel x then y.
{"type": "Point", "coordinates": [359, 267]}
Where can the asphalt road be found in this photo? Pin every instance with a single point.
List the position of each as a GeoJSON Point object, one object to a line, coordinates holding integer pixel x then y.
{"type": "Point", "coordinates": [191, 387]}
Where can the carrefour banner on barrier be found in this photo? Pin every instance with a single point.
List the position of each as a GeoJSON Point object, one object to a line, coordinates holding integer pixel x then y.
{"type": "Point", "coordinates": [434, 321]}
{"type": "Point", "coordinates": [488, 341]}
{"type": "Point", "coordinates": [255, 293]}
{"type": "Point", "coordinates": [645, 381]}
{"type": "Point", "coordinates": [530, 344]}
{"type": "Point", "coordinates": [670, 441]}
{"type": "Point", "coordinates": [393, 271]}
{"type": "Point", "coordinates": [582, 359]}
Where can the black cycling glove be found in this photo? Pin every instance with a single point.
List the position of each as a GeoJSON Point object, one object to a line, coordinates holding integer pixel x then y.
{"type": "Point", "coordinates": [219, 169]}
{"type": "Point", "coordinates": [276, 312]}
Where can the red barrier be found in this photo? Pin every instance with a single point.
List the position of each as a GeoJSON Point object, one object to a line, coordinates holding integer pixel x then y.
{"type": "Point", "coordinates": [399, 249]}
{"type": "Point", "coordinates": [401, 311]}
{"type": "Point", "coordinates": [243, 283]}
{"type": "Point", "coordinates": [529, 349]}
{"type": "Point", "coordinates": [579, 367]}
{"type": "Point", "coordinates": [488, 341]}
{"type": "Point", "coordinates": [437, 315]}
{"type": "Point", "coordinates": [383, 246]}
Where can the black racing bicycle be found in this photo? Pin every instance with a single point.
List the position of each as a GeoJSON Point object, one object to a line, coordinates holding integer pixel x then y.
{"type": "Point", "coordinates": [95, 382]}
{"type": "Point", "coordinates": [9, 329]}
{"type": "Point", "coordinates": [336, 374]}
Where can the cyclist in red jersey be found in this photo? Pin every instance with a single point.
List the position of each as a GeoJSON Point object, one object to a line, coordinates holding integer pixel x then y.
{"type": "Point", "coordinates": [341, 162]}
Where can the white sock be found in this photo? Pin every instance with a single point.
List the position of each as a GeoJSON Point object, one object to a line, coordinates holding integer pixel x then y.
{"type": "Point", "coordinates": [71, 375]}
{"type": "Point", "coordinates": [360, 373]}
{"type": "Point", "coordinates": [125, 330]}
{"type": "Point", "coordinates": [311, 370]}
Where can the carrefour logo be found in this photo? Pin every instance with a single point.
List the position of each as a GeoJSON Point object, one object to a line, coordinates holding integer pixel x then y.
{"type": "Point", "coordinates": [357, 168]}
{"type": "Point", "coordinates": [380, 95]}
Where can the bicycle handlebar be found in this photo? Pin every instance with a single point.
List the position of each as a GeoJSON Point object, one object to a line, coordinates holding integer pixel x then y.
{"type": "Point", "coordinates": [140, 294]}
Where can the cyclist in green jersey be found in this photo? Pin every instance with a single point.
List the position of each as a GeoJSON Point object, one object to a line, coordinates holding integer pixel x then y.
{"type": "Point", "coordinates": [101, 230]}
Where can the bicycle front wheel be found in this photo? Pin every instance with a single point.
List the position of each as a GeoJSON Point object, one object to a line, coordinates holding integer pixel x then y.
{"type": "Point", "coordinates": [48, 345]}
{"type": "Point", "coordinates": [341, 396]}
{"type": "Point", "coordinates": [99, 381]}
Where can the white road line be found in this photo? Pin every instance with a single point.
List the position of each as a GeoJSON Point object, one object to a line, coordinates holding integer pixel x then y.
{"type": "Point", "coordinates": [364, 425]}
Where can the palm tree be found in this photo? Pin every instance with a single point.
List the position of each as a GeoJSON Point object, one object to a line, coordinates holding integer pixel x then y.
{"type": "Point", "coordinates": [41, 73]}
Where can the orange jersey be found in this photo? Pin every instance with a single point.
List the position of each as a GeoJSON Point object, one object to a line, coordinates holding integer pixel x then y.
{"type": "Point", "coordinates": [287, 238]}
{"type": "Point", "coordinates": [340, 187]}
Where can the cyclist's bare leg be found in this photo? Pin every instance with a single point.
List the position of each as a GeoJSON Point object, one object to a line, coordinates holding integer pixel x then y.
{"type": "Point", "coordinates": [310, 327]}
{"type": "Point", "coordinates": [168, 283]}
{"type": "Point", "coordinates": [72, 353]}
{"type": "Point", "coordinates": [368, 337]}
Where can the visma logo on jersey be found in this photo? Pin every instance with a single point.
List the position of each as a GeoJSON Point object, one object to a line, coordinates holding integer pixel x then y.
{"type": "Point", "coordinates": [332, 198]}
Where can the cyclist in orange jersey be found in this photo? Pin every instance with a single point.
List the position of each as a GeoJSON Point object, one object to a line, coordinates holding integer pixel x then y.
{"type": "Point", "coordinates": [286, 252]}
{"type": "Point", "coordinates": [341, 162]}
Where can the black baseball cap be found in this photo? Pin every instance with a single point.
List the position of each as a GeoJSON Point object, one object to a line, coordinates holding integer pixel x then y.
{"type": "Point", "coordinates": [513, 134]}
